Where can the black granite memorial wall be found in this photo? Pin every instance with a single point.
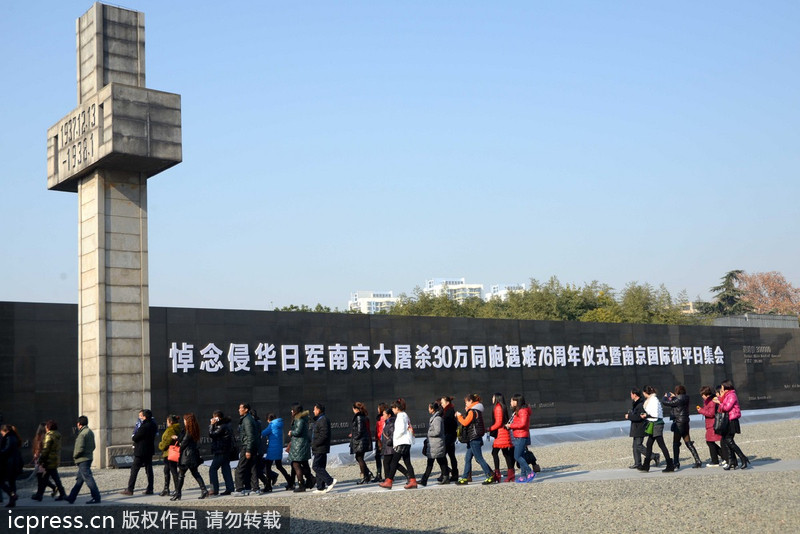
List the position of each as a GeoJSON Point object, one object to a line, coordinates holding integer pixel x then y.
{"type": "Point", "coordinates": [203, 360]}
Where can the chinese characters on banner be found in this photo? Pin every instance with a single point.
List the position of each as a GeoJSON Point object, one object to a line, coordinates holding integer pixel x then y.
{"type": "Point", "coordinates": [268, 357]}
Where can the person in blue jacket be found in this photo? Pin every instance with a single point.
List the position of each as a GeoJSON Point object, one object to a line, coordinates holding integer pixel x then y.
{"type": "Point", "coordinates": [274, 433]}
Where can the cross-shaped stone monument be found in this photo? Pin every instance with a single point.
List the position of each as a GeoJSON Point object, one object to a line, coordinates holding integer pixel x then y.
{"type": "Point", "coordinates": [105, 149]}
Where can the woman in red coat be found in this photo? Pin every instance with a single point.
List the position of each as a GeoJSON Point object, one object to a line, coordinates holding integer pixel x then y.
{"type": "Point", "coordinates": [521, 435]}
{"type": "Point", "coordinates": [709, 410]}
{"type": "Point", "coordinates": [502, 438]}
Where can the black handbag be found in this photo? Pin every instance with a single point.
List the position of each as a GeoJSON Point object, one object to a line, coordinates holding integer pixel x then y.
{"type": "Point", "coordinates": [721, 423]}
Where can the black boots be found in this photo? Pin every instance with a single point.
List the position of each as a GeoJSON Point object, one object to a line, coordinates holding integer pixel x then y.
{"type": "Point", "coordinates": [697, 462]}
{"type": "Point", "coordinates": [176, 496]}
{"type": "Point", "coordinates": [670, 466]}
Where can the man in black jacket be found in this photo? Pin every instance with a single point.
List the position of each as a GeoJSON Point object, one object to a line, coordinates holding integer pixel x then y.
{"type": "Point", "coordinates": [248, 450]}
{"type": "Point", "coordinates": [320, 447]}
{"type": "Point", "coordinates": [144, 448]}
{"type": "Point", "coordinates": [636, 415]}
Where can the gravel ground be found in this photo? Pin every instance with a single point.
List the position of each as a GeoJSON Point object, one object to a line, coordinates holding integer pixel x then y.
{"type": "Point", "coordinates": [583, 486]}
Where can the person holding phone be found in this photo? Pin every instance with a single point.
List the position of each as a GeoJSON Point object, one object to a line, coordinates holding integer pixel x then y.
{"type": "Point", "coordinates": [679, 403]}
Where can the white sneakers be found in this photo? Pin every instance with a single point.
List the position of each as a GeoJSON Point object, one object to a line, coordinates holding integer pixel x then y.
{"type": "Point", "coordinates": [330, 486]}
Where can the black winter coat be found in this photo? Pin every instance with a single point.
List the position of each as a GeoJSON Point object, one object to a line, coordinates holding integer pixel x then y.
{"type": "Point", "coordinates": [387, 437]}
{"type": "Point", "coordinates": [450, 424]}
{"type": "Point", "coordinates": [221, 435]}
{"type": "Point", "coordinates": [10, 457]}
{"type": "Point", "coordinates": [638, 423]}
{"type": "Point", "coordinates": [144, 439]}
{"type": "Point", "coordinates": [360, 436]}
{"type": "Point", "coordinates": [680, 408]}
{"type": "Point", "coordinates": [262, 441]}
{"type": "Point", "coordinates": [321, 437]}
{"type": "Point", "coordinates": [190, 456]}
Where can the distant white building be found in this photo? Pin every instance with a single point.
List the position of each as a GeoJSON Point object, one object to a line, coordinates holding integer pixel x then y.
{"type": "Point", "coordinates": [501, 291]}
{"type": "Point", "coordinates": [456, 288]}
{"type": "Point", "coordinates": [371, 301]}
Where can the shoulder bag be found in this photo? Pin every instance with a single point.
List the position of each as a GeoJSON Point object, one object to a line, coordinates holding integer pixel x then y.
{"type": "Point", "coordinates": [721, 423]}
{"type": "Point", "coordinates": [174, 454]}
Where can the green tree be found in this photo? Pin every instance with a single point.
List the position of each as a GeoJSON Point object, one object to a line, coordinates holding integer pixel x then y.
{"type": "Point", "coordinates": [607, 311]}
{"type": "Point", "coordinates": [729, 299]}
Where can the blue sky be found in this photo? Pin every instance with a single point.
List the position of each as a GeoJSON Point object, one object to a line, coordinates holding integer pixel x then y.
{"type": "Point", "coordinates": [330, 147]}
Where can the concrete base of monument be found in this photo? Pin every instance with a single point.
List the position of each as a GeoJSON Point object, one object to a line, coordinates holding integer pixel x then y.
{"type": "Point", "coordinates": [119, 456]}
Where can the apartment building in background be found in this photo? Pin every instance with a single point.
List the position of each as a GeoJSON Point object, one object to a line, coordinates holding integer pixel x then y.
{"type": "Point", "coordinates": [501, 291]}
{"type": "Point", "coordinates": [371, 301]}
{"type": "Point", "coordinates": [456, 288]}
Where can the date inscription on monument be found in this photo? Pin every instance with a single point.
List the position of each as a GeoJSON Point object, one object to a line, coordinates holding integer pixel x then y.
{"type": "Point", "coordinates": [77, 139]}
{"type": "Point", "coordinates": [74, 142]}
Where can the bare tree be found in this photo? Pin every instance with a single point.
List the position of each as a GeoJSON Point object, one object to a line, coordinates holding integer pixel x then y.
{"type": "Point", "coordinates": [770, 293]}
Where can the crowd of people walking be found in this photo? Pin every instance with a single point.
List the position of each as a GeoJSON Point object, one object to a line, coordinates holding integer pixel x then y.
{"type": "Point", "coordinates": [258, 447]}
{"type": "Point", "coordinates": [721, 412]}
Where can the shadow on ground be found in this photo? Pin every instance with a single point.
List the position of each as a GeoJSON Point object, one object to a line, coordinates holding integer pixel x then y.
{"type": "Point", "coordinates": [763, 460]}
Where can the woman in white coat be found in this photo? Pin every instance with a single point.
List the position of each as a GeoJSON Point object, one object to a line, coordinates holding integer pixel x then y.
{"type": "Point", "coordinates": [403, 438]}
{"type": "Point", "coordinates": [654, 429]}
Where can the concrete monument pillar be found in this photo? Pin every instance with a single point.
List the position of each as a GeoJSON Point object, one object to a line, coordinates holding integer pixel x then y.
{"type": "Point", "coordinates": [105, 149]}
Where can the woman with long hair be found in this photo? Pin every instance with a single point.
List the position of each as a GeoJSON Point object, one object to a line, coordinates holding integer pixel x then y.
{"type": "Point", "coordinates": [360, 439]}
{"type": "Point", "coordinates": [190, 456]}
{"type": "Point", "coordinates": [450, 433]}
{"type": "Point", "coordinates": [435, 445]}
{"type": "Point", "coordinates": [709, 412]}
{"type": "Point", "coordinates": [519, 425]}
{"type": "Point", "coordinates": [300, 448]}
{"type": "Point", "coordinates": [502, 438]}
{"type": "Point", "coordinates": [36, 445]}
{"type": "Point", "coordinates": [49, 460]}
{"type": "Point", "coordinates": [729, 403]}
{"type": "Point", "coordinates": [10, 462]}
{"type": "Point", "coordinates": [473, 426]}
{"type": "Point", "coordinates": [654, 431]}
{"type": "Point", "coordinates": [402, 439]}
{"type": "Point", "coordinates": [679, 402]}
